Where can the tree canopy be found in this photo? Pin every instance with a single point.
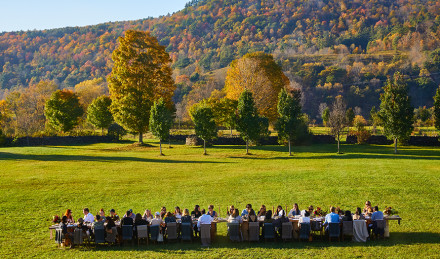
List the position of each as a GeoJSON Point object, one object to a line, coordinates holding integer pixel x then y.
{"type": "Point", "coordinates": [98, 112]}
{"type": "Point", "coordinates": [161, 121]}
{"type": "Point", "coordinates": [63, 110]}
{"type": "Point", "coordinates": [204, 123]}
{"type": "Point", "coordinates": [141, 74]}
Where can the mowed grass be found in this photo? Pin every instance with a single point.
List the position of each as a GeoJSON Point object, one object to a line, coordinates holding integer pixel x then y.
{"type": "Point", "coordinates": [38, 182]}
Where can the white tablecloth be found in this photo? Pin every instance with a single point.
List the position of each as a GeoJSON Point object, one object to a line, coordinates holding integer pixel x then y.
{"type": "Point", "coordinates": [360, 231]}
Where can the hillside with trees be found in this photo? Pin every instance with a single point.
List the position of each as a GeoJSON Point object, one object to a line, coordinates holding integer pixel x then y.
{"type": "Point", "coordinates": [326, 49]}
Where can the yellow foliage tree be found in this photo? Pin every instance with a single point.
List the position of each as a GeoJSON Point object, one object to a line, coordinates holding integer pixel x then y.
{"type": "Point", "coordinates": [259, 74]}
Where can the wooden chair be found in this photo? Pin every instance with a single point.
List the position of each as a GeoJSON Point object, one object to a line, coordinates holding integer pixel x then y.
{"type": "Point", "coordinates": [254, 231]}
{"type": "Point", "coordinates": [234, 232]}
{"type": "Point", "coordinates": [142, 233]}
{"type": "Point", "coordinates": [304, 231]}
{"type": "Point", "coordinates": [347, 229]}
{"type": "Point", "coordinates": [286, 231]}
{"type": "Point", "coordinates": [334, 231]}
{"type": "Point", "coordinates": [171, 231]}
{"type": "Point", "coordinates": [205, 234]}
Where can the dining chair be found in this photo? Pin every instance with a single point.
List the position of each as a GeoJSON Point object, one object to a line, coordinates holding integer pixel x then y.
{"type": "Point", "coordinates": [142, 233]}
{"type": "Point", "coordinates": [234, 232]}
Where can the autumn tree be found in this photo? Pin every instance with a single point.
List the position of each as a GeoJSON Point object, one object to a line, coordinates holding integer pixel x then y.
{"type": "Point", "coordinates": [261, 75]}
{"type": "Point", "coordinates": [290, 116]}
{"type": "Point", "coordinates": [98, 112]}
{"type": "Point", "coordinates": [337, 119]}
{"type": "Point", "coordinates": [437, 109]}
{"type": "Point", "coordinates": [250, 125]}
{"type": "Point", "coordinates": [161, 121]}
{"type": "Point", "coordinates": [141, 74]}
{"type": "Point", "coordinates": [350, 119]}
{"type": "Point", "coordinates": [396, 112]}
{"type": "Point", "coordinates": [63, 110]}
{"type": "Point", "coordinates": [89, 90]}
{"type": "Point", "coordinates": [204, 123]}
{"type": "Point", "coordinates": [325, 116]}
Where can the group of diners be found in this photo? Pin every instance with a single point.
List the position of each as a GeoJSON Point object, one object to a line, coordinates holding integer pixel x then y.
{"type": "Point", "coordinates": [198, 217]}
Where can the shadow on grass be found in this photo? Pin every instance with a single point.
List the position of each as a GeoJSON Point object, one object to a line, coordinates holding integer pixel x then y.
{"type": "Point", "coordinates": [61, 158]}
{"type": "Point", "coordinates": [399, 238]}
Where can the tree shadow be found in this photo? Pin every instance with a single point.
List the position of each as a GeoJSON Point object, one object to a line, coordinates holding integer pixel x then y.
{"type": "Point", "coordinates": [396, 239]}
{"type": "Point", "coordinates": [63, 158]}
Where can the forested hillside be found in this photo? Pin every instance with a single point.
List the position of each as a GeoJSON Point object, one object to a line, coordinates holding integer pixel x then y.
{"type": "Point", "coordinates": [326, 48]}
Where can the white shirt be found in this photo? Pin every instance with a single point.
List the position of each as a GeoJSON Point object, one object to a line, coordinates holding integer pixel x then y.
{"type": "Point", "coordinates": [304, 220]}
{"type": "Point", "coordinates": [156, 221]}
{"type": "Point", "coordinates": [89, 218]}
{"type": "Point", "coordinates": [204, 219]}
{"type": "Point", "coordinates": [178, 216]}
{"type": "Point", "coordinates": [238, 219]}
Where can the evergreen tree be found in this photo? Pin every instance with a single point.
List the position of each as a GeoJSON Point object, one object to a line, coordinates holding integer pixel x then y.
{"type": "Point", "coordinates": [63, 110]}
{"type": "Point", "coordinates": [289, 120]}
{"type": "Point", "coordinates": [396, 112]}
{"type": "Point", "coordinates": [140, 75]}
{"type": "Point", "coordinates": [204, 122]}
{"type": "Point", "coordinates": [98, 112]}
{"type": "Point", "coordinates": [161, 121]}
{"type": "Point", "coordinates": [437, 109]}
{"type": "Point", "coordinates": [249, 124]}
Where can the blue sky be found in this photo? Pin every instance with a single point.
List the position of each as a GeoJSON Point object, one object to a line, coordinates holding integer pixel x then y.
{"type": "Point", "coordinates": [47, 14]}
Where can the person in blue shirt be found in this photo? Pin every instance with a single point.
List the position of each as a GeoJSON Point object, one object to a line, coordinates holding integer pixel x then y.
{"type": "Point", "coordinates": [333, 217]}
{"type": "Point", "coordinates": [377, 214]}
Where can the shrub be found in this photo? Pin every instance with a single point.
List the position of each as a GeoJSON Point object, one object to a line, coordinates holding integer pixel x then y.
{"type": "Point", "coordinates": [362, 136]}
{"type": "Point", "coordinates": [116, 131]}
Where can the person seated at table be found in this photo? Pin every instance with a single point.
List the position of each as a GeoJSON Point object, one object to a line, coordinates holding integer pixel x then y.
{"type": "Point", "coordinates": [310, 209]}
{"type": "Point", "coordinates": [67, 235]}
{"type": "Point", "coordinates": [212, 212]}
{"type": "Point", "coordinates": [279, 211]}
{"type": "Point", "coordinates": [99, 223]}
{"type": "Point", "coordinates": [230, 211]}
{"type": "Point", "coordinates": [235, 217]}
{"type": "Point", "coordinates": [248, 207]}
{"type": "Point", "coordinates": [157, 220]}
{"type": "Point", "coordinates": [177, 212]}
{"type": "Point", "coordinates": [358, 214]}
{"type": "Point", "coordinates": [186, 218]}
{"type": "Point", "coordinates": [110, 224]}
{"type": "Point", "coordinates": [377, 214]}
{"type": "Point", "coordinates": [244, 213]}
{"type": "Point", "coordinates": [169, 218]}
{"type": "Point", "coordinates": [196, 212]}
{"type": "Point", "coordinates": [268, 218]}
{"type": "Point", "coordinates": [367, 208]}
{"type": "Point", "coordinates": [69, 216]}
{"type": "Point", "coordinates": [305, 217]}
{"type": "Point", "coordinates": [252, 216]}
{"type": "Point", "coordinates": [113, 215]}
{"type": "Point", "coordinates": [331, 218]}
{"type": "Point", "coordinates": [347, 216]}
{"type": "Point", "coordinates": [163, 212]}
{"type": "Point", "coordinates": [139, 220]}
{"type": "Point", "coordinates": [339, 211]}
{"type": "Point", "coordinates": [278, 223]}
{"type": "Point", "coordinates": [262, 211]}
{"type": "Point", "coordinates": [88, 217]}
{"type": "Point", "coordinates": [294, 211]}
{"type": "Point", "coordinates": [147, 215]}
{"type": "Point", "coordinates": [318, 212]}
{"type": "Point", "coordinates": [102, 214]}
{"type": "Point", "coordinates": [127, 220]}
{"type": "Point", "coordinates": [204, 219]}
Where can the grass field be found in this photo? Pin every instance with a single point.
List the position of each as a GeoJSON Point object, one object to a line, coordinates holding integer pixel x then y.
{"type": "Point", "coordinates": [38, 182]}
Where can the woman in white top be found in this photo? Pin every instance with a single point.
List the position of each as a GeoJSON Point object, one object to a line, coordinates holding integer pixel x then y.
{"type": "Point", "coordinates": [305, 217]}
{"type": "Point", "coordinates": [177, 213]}
{"type": "Point", "coordinates": [295, 211]}
{"type": "Point", "coordinates": [147, 215]}
{"type": "Point", "coordinates": [235, 217]}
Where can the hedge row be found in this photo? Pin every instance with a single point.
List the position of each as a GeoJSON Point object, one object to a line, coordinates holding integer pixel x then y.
{"type": "Point", "coordinates": [413, 140]}
{"type": "Point", "coordinates": [57, 140]}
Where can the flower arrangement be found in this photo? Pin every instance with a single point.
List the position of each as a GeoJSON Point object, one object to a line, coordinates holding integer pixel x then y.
{"type": "Point", "coordinates": [56, 219]}
{"type": "Point", "coordinates": [319, 212]}
{"type": "Point", "coordinates": [389, 211]}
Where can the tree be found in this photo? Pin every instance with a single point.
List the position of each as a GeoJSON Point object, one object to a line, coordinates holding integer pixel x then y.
{"type": "Point", "coordinates": [325, 116]}
{"type": "Point", "coordinates": [141, 75]}
{"type": "Point", "coordinates": [250, 125]}
{"type": "Point", "coordinates": [289, 111]}
{"type": "Point", "coordinates": [374, 118]}
{"type": "Point", "coordinates": [350, 118]}
{"type": "Point", "coordinates": [396, 112]}
{"type": "Point", "coordinates": [89, 90]}
{"type": "Point", "coordinates": [98, 112]}
{"type": "Point", "coordinates": [161, 121]}
{"type": "Point", "coordinates": [437, 109]}
{"type": "Point", "coordinates": [337, 119]}
{"type": "Point", "coordinates": [63, 110]}
{"type": "Point", "coordinates": [204, 123]}
{"type": "Point", "coordinates": [261, 75]}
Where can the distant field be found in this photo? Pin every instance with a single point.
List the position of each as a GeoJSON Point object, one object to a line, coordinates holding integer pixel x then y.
{"type": "Point", "coordinates": [38, 182]}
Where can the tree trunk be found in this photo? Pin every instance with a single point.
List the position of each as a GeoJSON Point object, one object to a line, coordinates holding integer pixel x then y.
{"type": "Point", "coordinates": [395, 145]}
{"type": "Point", "coordinates": [102, 131]}
{"type": "Point", "coordinates": [160, 147]}
{"type": "Point", "coordinates": [290, 151]}
{"type": "Point", "coordinates": [247, 148]}
{"type": "Point", "coordinates": [141, 138]}
{"type": "Point", "coordinates": [338, 144]}
{"type": "Point", "coordinates": [231, 130]}
{"type": "Point", "coordinates": [169, 142]}
{"type": "Point", "coordinates": [204, 147]}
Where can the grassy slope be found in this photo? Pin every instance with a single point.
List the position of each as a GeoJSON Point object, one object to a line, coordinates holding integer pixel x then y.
{"type": "Point", "coordinates": [38, 182]}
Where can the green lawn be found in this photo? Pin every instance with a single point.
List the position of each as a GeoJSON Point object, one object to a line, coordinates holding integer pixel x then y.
{"type": "Point", "coordinates": [38, 182]}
